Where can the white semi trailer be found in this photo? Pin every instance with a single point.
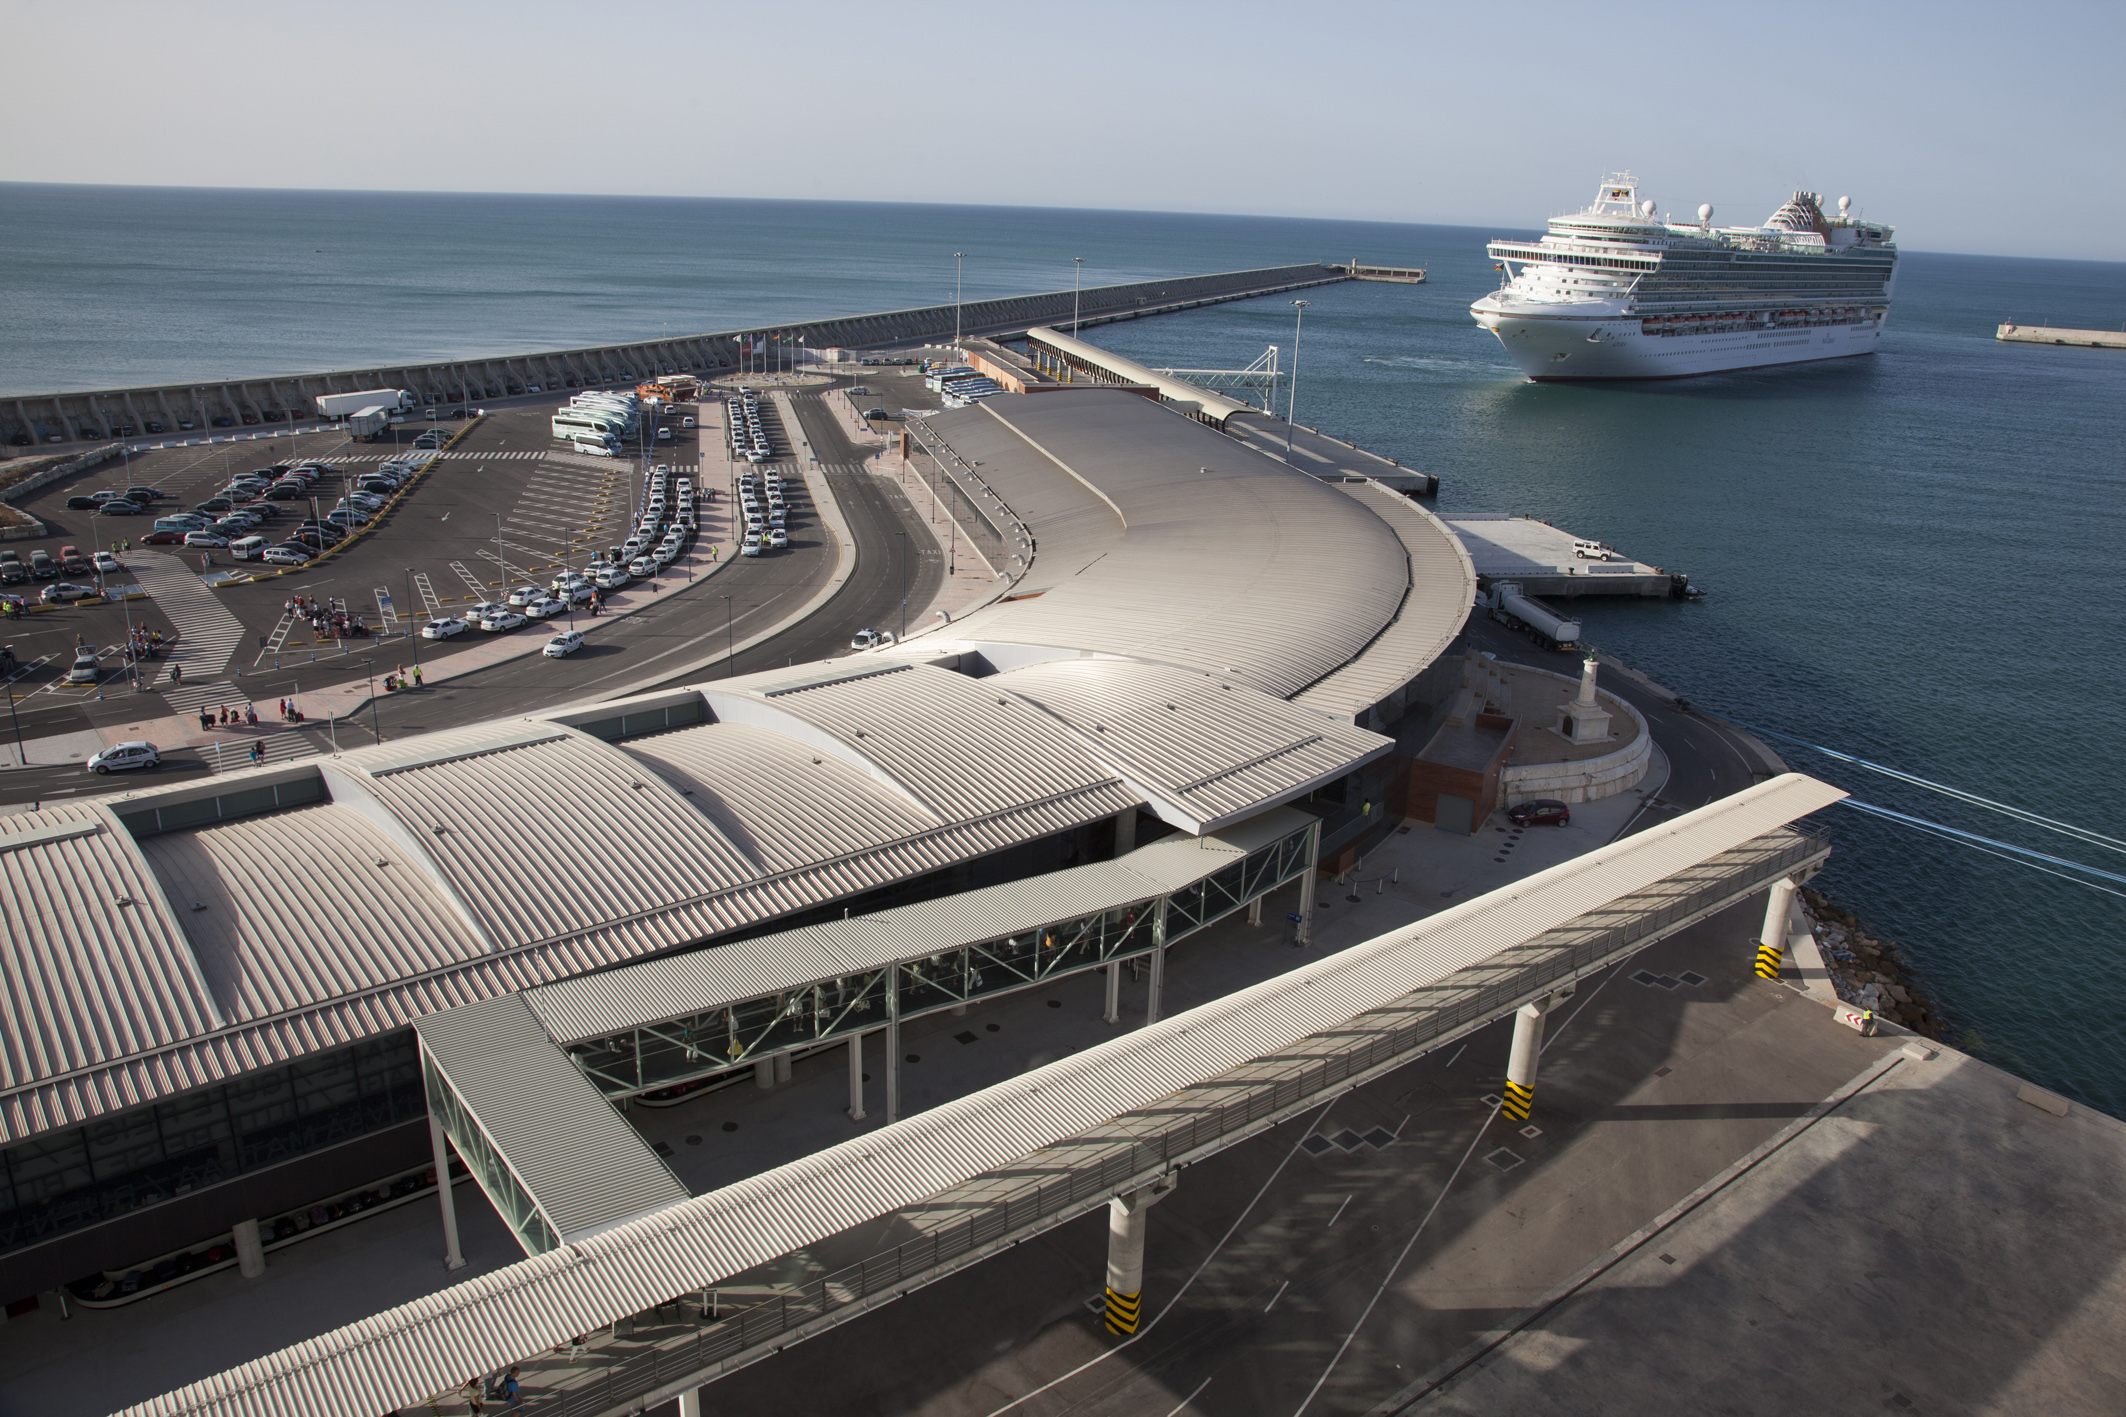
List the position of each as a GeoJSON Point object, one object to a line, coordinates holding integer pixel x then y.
{"type": "Point", "coordinates": [343, 405]}
{"type": "Point", "coordinates": [1516, 611]}
{"type": "Point", "coordinates": [368, 423]}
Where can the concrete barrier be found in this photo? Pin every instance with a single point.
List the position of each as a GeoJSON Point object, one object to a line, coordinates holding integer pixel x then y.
{"type": "Point", "coordinates": [75, 417]}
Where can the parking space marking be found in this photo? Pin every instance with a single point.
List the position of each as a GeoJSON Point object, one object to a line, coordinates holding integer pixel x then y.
{"type": "Point", "coordinates": [275, 640]}
{"type": "Point", "coordinates": [479, 587]}
{"type": "Point", "coordinates": [428, 594]}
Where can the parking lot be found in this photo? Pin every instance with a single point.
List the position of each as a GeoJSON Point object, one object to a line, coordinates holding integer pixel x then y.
{"type": "Point", "coordinates": [506, 505]}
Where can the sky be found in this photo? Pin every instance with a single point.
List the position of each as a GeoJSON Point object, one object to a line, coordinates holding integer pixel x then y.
{"type": "Point", "coordinates": [1994, 128]}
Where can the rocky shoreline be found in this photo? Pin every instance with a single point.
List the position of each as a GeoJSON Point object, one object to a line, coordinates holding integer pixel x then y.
{"type": "Point", "coordinates": [1867, 972]}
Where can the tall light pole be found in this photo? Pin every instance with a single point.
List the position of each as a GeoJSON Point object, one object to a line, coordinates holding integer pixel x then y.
{"type": "Point", "coordinates": [1291, 408]}
{"type": "Point", "coordinates": [904, 585]}
{"type": "Point", "coordinates": [730, 654]}
{"type": "Point", "coordinates": [413, 631]}
{"type": "Point", "coordinates": [1076, 280]}
{"type": "Point", "coordinates": [957, 258]}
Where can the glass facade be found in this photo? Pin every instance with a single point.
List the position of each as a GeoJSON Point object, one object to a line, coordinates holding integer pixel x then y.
{"type": "Point", "coordinates": [66, 1180]}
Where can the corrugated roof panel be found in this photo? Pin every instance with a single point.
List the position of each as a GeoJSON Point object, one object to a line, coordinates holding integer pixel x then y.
{"type": "Point", "coordinates": [962, 749]}
{"type": "Point", "coordinates": [559, 835]}
{"type": "Point", "coordinates": [92, 964]}
{"type": "Point", "coordinates": [362, 914]}
{"type": "Point", "coordinates": [1442, 590]}
{"type": "Point", "coordinates": [778, 801]}
{"type": "Point", "coordinates": [420, 1347]}
{"type": "Point", "coordinates": [1209, 742]}
{"type": "Point", "coordinates": [1230, 561]}
{"type": "Point", "coordinates": [583, 1165]}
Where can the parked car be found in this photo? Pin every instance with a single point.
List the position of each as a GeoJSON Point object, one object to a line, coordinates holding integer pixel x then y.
{"type": "Point", "coordinates": [42, 566]}
{"type": "Point", "coordinates": [86, 668]}
{"type": "Point", "coordinates": [546, 609]}
{"type": "Point", "coordinates": [60, 592]}
{"type": "Point", "coordinates": [868, 638]}
{"type": "Point", "coordinates": [81, 503]}
{"type": "Point", "coordinates": [443, 627]}
{"type": "Point", "coordinates": [72, 562]}
{"type": "Point", "coordinates": [211, 539]}
{"type": "Point", "coordinates": [107, 564]}
{"type": "Point", "coordinates": [164, 536]}
{"type": "Point", "coordinates": [500, 620]}
{"type": "Point", "coordinates": [1541, 812]}
{"type": "Point", "coordinates": [145, 495]}
{"type": "Point", "coordinates": [12, 571]}
{"type": "Point", "coordinates": [524, 595]}
{"type": "Point", "coordinates": [611, 577]}
{"type": "Point", "coordinates": [286, 555]}
{"type": "Point", "coordinates": [120, 507]}
{"type": "Point", "coordinates": [122, 757]}
{"type": "Point", "coordinates": [565, 643]}
{"type": "Point", "coordinates": [778, 539]}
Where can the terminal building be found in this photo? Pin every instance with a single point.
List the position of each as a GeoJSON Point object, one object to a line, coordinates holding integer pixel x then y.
{"type": "Point", "coordinates": [228, 1001]}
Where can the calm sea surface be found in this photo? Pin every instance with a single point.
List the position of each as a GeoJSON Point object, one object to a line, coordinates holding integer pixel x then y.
{"type": "Point", "coordinates": [1918, 557]}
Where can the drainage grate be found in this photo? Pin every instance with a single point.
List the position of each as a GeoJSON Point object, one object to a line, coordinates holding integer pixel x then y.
{"type": "Point", "coordinates": [1491, 1099]}
{"type": "Point", "coordinates": [663, 1148]}
{"type": "Point", "coordinates": [1315, 1145]}
{"type": "Point", "coordinates": [966, 1038]}
{"type": "Point", "coordinates": [1348, 1139]}
{"type": "Point", "coordinates": [1503, 1159]}
{"type": "Point", "coordinates": [1667, 981]}
{"type": "Point", "coordinates": [1663, 1072]}
{"type": "Point", "coordinates": [1380, 1138]}
{"type": "Point", "coordinates": [1691, 977]}
{"type": "Point", "coordinates": [1668, 1259]}
{"type": "Point", "coordinates": [1646, 977]}
{"type": "Point", "coordinates": [1531, 1132]}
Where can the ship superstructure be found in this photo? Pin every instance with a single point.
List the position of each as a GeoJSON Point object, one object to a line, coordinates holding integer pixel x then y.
{"type": "Point", "coordinates": [1615, 292]}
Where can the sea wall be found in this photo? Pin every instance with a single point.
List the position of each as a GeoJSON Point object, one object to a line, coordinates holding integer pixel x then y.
{"type": "Point", "coordinates": [266, 401]}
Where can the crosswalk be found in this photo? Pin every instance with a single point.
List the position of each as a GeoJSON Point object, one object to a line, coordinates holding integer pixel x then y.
{"type": "Point", "coordinates": [287, 747]}
{"type": "Point", "coordinates": [207, 634]}
{"type": "Point", "coordinates": [189, 697]}
{"type": "Point", "coordinates": [516, 455]}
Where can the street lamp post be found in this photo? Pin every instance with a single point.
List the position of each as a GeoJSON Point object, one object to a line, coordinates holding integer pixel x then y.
{"type": "Point", "coordinates": [904, 585]}
{"type": "Point", "coordinates": [1291, 408]}
{"type": "Point", "coordinates": [957, 258]}
{"type": "Point", "coordinates": [1077, 279]}
{"type": "Point", "coordinates": [413, 631]}
{"type": "Point", "coordinates": [730, 653]}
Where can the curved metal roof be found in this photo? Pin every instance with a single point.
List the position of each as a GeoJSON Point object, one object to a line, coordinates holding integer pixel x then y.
{"type": "Point", "coordinates": [1174, 567]}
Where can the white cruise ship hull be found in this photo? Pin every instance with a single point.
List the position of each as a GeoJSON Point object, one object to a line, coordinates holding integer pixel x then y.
{"type": "Point", "coordinates": [1551, 347]}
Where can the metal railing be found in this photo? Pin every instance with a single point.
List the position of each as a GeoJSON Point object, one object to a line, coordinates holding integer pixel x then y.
{"type": "Point", "coordinates": [1060, 1182]}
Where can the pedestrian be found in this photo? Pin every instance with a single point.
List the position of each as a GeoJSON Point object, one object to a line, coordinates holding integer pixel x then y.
{"type": "Point", "coordinates": [417, 676]}
{"type": "Point", "coordinates": [475, 1399]}
{"type": "Point", "coordinates": [258, 752]}
{"type": "Point", "coordinates": [513, 1388]}
{"type": "Point", "coordinates": [251, 714]}
{"type": "Point", "coordinates": [206, 721]}
{"type": "Point", "coordinates": [129, 543]}
{"type": "Point", "coordinates": [575, 1348]}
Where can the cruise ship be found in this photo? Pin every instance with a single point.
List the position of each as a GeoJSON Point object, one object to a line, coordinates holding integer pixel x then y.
{"type": "Point", "coordinates": [1615, 292]}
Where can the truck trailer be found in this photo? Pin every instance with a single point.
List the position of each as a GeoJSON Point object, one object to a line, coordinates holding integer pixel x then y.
{"type": "Point", "coordinates": [342, 405]}
{"type": "Point", "coordinates": [369, 422]}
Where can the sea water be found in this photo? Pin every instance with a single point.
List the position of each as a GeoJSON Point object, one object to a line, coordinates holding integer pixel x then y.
{"type": "Point", "coordinates": [1917, 557]}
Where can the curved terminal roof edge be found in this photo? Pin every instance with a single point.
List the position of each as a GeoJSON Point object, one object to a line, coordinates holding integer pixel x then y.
{"type": "Point", "coordinates": [1221, 585]}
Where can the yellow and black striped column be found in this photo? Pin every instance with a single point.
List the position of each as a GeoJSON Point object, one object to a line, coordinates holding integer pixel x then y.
{"type": "Point", "coordinates": [1527, 1051]}
{"type": "Point", "coordinates": [1771, 940]}
{"type": "Point", "coordinates": [1125, 1254]}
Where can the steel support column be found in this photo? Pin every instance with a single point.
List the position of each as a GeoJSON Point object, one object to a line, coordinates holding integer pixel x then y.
{"type": "Point", "coordinates": [1113, 1012]}
{"type": "Point", "coordinates": [452, 1257]}
{"type": "Point", "coordinates": [1527, 1051]}
{"type": "Point", "coordinates": [856, 1077]}
{"type": "Point", "coordinates": [1151, 1008]}
{"type": "Point", "coordinates": [893, 1044]}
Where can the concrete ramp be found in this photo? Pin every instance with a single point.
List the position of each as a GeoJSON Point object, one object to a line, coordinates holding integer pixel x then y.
{"type": "Point", "coordinates": [207, 634]}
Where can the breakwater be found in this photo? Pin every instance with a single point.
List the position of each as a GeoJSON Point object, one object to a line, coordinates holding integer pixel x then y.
{"type": "Point", "coordinates": [52, 419]}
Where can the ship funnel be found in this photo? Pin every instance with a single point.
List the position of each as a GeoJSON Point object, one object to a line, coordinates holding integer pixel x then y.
{"type": "Point", "coordinates": [1705, 212]}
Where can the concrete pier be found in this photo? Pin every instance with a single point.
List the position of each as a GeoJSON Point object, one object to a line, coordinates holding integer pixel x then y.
{"type": "Point", "coordinates": [2047, 334]}
{"type": "Point", "coordinates": [1547, 560]}
{"type": "Point", "coordinates": [275, 401]}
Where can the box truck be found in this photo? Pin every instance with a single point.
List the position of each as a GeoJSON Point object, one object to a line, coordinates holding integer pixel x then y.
{"type": "Point", "coordinates": [341, 405]}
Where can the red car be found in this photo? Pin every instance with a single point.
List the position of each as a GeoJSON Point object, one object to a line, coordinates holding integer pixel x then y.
{"type": "Point", "coordinates": [165, 537]}
{"type": "Point", "coordinates": [1542, 812]}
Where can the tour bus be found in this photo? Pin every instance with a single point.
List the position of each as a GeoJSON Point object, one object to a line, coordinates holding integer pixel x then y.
{"type": "Point", "coordinates": [594, 447]}
{"type": "Point", "coordinates": [599, 409]}
{"type": "Point", "coordinates": [573, 422]}
{"type": "Point", "coordinates": [624, 404]}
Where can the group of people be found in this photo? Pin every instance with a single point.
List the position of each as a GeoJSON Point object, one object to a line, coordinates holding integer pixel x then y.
{"type": "Point", "coordinates": [325, 619]}
{"type": "Point", "coordinates": [144, 643]}
{"type": "Point", "coordinates": [247, 716]}
{"type": "Point", "coordinates": [403, 680]}
{"type": "Point", "coordinates": [503, 1387]}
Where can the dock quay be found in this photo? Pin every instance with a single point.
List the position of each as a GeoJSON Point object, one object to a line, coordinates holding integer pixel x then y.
{"type": "Point", "coordinates": [1547, 560]}
{"type": "Point", "coordinates": [2047, 334]}
{"type": "Point", "coordinates": [277, 401]}
{"type": "Point", "coordinates": [1405, 275]}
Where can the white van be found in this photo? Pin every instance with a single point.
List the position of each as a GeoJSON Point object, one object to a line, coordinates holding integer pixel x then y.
{"type": "Point", "coordinates": [592, 449]}
{"type": "Point", "coordinates": [1590, 550]}
{"type": "Point", "coordinates": [248, 548]}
